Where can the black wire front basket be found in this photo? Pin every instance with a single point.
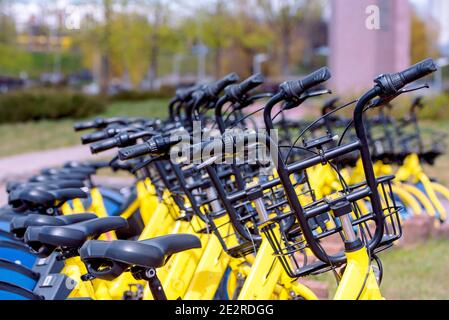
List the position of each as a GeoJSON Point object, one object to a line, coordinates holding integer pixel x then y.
{"type": "Point", "coordinates": [291, 248]}
{"type": "Point", "coordinates": [202, 198]}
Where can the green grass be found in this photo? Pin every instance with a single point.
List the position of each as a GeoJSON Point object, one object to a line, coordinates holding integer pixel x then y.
{"type": "Point", "coordinates": [44, 135]}
{"type": "Point", "coordinates": [413, 273]}
{"type": "Point", "coordinates": [417, 273]}
{"type": "Point", "coordinates": [35, 136]}
{"type": "Point", "coordinates": [146, 109]}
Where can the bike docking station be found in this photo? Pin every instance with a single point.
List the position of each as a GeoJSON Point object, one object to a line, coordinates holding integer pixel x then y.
{"type": "Point", "coordinates": [224, 218]}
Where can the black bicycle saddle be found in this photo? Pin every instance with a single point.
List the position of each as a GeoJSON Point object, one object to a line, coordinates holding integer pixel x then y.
{"type": "Point", "coordinates": [45, 239]}
{"type": "Point", "coordinates": [15, 194]}
{"type": "Point", "coordinates": [107, 260]}
{"type": "Point", "coordinates": [91, 164]}
{"type": "Point", "coordinates": [37, 198]}
{"type": "Point", "coordinates": [20, 224]}
{"type": "Point", "coordinates": [87, 171]}
{"type": "Point", "coordinates": [58, 177]}
{"type": "Point", "coordinates": [45, 185]}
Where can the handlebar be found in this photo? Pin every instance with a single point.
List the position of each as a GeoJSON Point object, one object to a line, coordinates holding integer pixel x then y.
{"type": "Point", "coordinates": [184, 94]}
{"type": "Point", "coordinates": [97, 123]}
{"type": "Point", "coordinates": [104, 145]}
{"type": "Point", "coordinates": [237, 91]}
{"type": "Point", "coordinates": [98, 135]}
{"type": "Point", "coordinates": [215, 88]}
{"type": "Point", "coordinates": [386, 85]}
{"type": "Point", "coordinates": [122, 140]}
{"type": "Point", "coordinates": [390, 84]}
{"type": "Point", "coordinates": [79, 126]}
{"type": "Point", "coordinates": [293, 89]}
{"type": "Point", "coordinates": [154, 147]}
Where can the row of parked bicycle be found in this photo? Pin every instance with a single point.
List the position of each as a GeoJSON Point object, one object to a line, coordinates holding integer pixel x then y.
{"type": "Point", "coordinates": [238, 213]}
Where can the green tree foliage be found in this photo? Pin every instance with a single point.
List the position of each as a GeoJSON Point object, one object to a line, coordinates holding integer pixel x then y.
{"type": "Point", "coordinates": [424, 35]}
{"type": "Point", "coordinates": [7, 28]}
{"type": "Point", "coordinates": [142, 39]}
{"type": "Point", "coordinates": [14, 61]}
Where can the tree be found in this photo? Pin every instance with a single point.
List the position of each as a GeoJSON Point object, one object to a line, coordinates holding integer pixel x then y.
{"type": "Point", "coordinates": [130, 46]}
{"type": "Point", "coordinates": [105, 46]}
{"type": "Point", "coordinates": [251, 35]}
{"type": "Point", "coordinates": [297, 20]}
{"type": "Point", "coordinates": [423, 38]}
{"type": "Point", "coordinates": [283, 16]}
{"type": "Point", "coordinates": [216, 30]}
{"type": "Point", "coordinates": [7, 25]}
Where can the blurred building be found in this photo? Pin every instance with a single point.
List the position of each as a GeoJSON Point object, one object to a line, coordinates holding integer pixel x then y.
{"type": "Point", "coordinates": [359, 49]}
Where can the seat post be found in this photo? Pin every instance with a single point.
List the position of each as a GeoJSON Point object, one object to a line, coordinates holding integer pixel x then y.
{"type": "Point", "coordinates": [153, 282]}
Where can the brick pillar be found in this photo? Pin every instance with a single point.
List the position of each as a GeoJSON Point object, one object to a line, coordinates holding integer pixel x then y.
{"type": "Point", "coordinates": [358, 54]}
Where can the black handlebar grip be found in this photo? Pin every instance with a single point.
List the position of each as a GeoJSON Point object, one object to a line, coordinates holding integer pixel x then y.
{"type": "Point", "coordinates": [215, 88]}
{"type": "Point", "coordinates": [296, 88]}
{"type": "Point", "coordinates": [183, 94]}
{"type": "Point", "coordinates": [251, 83]}
{"type": "Point", "coordinates": [237, 92]}
{"type": "Point", "coordinates": [315, 78]}
{"type": "Point", "coordinates": [134, 151]}
{"type": "Point", "coordinates": [390, 84]}
{"type": "Point", "coordinates": [84, 125]}
{"type": "Point", "coordinates": [418, 71]}
{"type": "Point", "coordinates": [94, 137]}
{"type": "Point", "coordinates": [104, 145]}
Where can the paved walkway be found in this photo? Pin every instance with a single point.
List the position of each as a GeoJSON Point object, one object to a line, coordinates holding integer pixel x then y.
{"type": "Point", "coordinates": [24, 165]}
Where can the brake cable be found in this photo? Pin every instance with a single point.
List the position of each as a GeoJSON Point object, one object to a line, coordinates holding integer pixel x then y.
{"type": "Point", "coordinates": [349, 125]}
{"type": "Point", "coordinates": [315, 122]}
{"type": "Point", "coordinates": [245, 117]}
{"type": "Point", "coordinates": [229, 106]}
{"type": "Point", "coordinates": [377, 102]}
{"type": "Point", "coordinates": [250, 101]}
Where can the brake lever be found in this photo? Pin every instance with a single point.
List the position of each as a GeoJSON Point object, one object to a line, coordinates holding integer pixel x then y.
{"type": "Point", "coordinates": [144, 164]}
{"type": "Point", "coordinates": [402, 91]}
{"type": "Point", "coordinates": [142, 134]}
{"type": "Point", "coordinates": [294, 104]}
{"type": "Point", "coordinates": [317, 93]}
{"type": "Point", "coordinates": [113, 160]}
{"type": "Point", "coordinates": [260, 96]}
{"type": "Point", "coordinates": [248, 100]}
{"type": "Point", "coordinates": [386, 100]}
